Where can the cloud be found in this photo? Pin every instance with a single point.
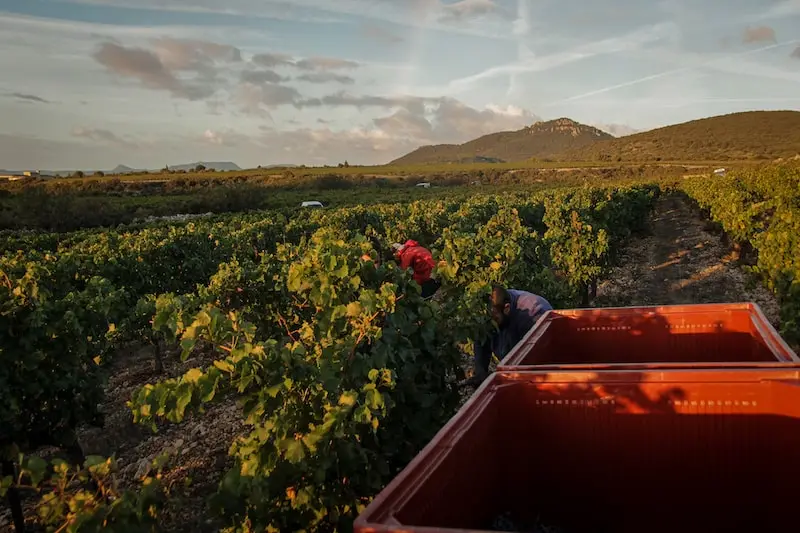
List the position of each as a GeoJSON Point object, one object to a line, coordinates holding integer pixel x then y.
{"type": "Point", "coordinates": [147, 67]}
{"type": "Point", "coordinates": [404, 123]}
{"type": "Point", "coordinates": [194, 55]}
{"type": "Point", "coordinates": [759, 34]}
{"type": "Point", "coordinates": [226, 137]}
{"type": "Point", "coordinates": [313, 64]}
{"type": "Point", "coordinates": [251, 97]}
{"type": "Point", "coordinates": [136, 63]}
{"type": "Point", "coordinates": [29, 98]}
{"type": "Point", "coordinates": [272, 60]}
{"type": "Point", "coordinates": [325, 63]}
{"type": "Point", "coordinates": [166, 65]}
{"type": "Point", "coordinates": [380, 34]}
{"type": "Point", "coordinates": [617, 130]}
{"type": "Point", "coordinates": [796, 53]}
{"type": "Point", "coordinates": [414, 122]}
{"type": "Point", "coordinates": [413, 103]}
{"type": "Point", "coordinates": [388, 137]}
{"type": "Point", "coordinates": [200, 70]}
{"type": "Point", "coordinates": [464, 9]}
{"type": "Point", "coordinates": [326, 77]}
{"type": "Point", "coordinates": [261, 76]}
{"type": "Point", "coordinates": [454, 120]}
{"type": "Point", "coordinates": [100, 135]}
{"type": "Point", "coordinates": [451, 121]}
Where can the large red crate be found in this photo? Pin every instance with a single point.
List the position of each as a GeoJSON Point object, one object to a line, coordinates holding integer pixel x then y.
{"type": "Point", "coordinates": [696, 336]}
{"type": "Point", "coordinates": [661, 451]}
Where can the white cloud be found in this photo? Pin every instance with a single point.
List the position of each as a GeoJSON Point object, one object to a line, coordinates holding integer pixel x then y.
{"type": "Point", "coordinates": [393, 135]}
{"type": "Point", "coordinates": [451, 121]}
{"type": "Point", "coordinates": [617, 130]}
{"type": "Point", "coordinates": [226, 137]}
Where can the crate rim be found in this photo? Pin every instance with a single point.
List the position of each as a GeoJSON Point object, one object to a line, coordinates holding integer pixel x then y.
{"type": "Point", "coordinates": [767, 331]}
{"type": "Point", "coordinates": [398, 491]}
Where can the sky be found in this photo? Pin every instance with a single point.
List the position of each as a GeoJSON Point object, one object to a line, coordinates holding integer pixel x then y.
{"type": "Point", "coordinates": [89, 84]}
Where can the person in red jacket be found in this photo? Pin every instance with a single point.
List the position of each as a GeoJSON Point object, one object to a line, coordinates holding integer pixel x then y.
{"type": "Point", "coordinates": [412, 255]}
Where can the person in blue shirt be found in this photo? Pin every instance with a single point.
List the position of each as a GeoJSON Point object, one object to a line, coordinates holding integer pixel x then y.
{"type": "Point", "coordinates": [515, 312]}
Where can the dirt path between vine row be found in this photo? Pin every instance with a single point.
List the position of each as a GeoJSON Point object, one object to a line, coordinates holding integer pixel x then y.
{"type": "Point", "coordinates": [681, 261]}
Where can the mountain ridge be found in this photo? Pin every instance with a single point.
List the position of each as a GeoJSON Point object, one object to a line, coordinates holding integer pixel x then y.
{"type": "Point", "coordinates": [541, 139]}
{"type": "Point", "coordinates": [733, 136]}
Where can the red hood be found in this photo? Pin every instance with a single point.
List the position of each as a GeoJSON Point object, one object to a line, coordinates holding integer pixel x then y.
{"type": "Point", "coordinates": [411, 244]}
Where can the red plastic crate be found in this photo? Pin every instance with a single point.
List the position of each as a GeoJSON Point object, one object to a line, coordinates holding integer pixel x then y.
{"type": "Point", "coordinates": [679, 336]}
{"type": "Point", "coordinates": [660, 451]}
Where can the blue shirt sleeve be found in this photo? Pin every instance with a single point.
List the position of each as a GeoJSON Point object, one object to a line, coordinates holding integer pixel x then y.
{"type": "Point", "coordinates": [529, 308]}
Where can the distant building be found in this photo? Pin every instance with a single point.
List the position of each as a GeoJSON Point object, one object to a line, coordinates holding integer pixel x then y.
{"type": "Point", "coordinates": [25, 174]}
{"type": "Point", "coordinates": [12, 176]}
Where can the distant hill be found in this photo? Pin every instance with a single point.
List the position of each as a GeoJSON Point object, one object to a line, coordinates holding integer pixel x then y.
{"type": "Point", "coordinates": [541, 140]}
{"type": "Point", "coordinates": [219, 166]}
{"type": "Point", "coordinates": [746, 135]}
{"type": "Point", "coordinates": [122, 169]}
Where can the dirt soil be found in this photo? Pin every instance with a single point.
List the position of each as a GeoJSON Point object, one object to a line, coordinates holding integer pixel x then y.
{"type": "Point", "coordinates": [681, 260]}
{"type": "Point", "coordinates": [199, 444]}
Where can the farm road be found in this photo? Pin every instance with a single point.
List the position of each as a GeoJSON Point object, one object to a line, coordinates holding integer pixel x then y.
{"type": "Point", "coordinates": [680, 262]}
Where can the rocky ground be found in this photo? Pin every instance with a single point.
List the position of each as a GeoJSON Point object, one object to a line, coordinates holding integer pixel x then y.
{"type": "Point", "coordinates": [680, 260]}
{"type": "Point", "coordinates": [199, 445]}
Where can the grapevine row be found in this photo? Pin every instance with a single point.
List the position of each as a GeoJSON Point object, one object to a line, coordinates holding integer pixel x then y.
{"type": "Point", "coordinates": [762, 209]}
{"type": "Point", "coordinates": [343, 371]}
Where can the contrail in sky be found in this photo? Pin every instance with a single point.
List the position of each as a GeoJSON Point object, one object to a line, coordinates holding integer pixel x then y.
{"type": "Point", "coordinates": [521, 29]}
{"type": "Point", "coordinates": [668, 73]}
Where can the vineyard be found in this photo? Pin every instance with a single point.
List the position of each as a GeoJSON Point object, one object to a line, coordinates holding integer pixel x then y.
{"type": "Point", "coordinates": [72, 204]}
{"type": "Point", "coordinates": [337, 368]}
{"type": "Point", "coordinates": [760, 212]}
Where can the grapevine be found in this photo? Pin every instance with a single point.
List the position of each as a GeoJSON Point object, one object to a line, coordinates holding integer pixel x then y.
{"type": "Point", "coordinates": [342, 371]}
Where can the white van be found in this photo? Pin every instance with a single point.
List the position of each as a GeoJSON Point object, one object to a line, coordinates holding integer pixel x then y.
{"type": "Point", "coordinates": [719, 172]}
{"type": "Point", "coordinates": [425, 185]}
{"type": "Point", "coordinates": [312, 203]}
